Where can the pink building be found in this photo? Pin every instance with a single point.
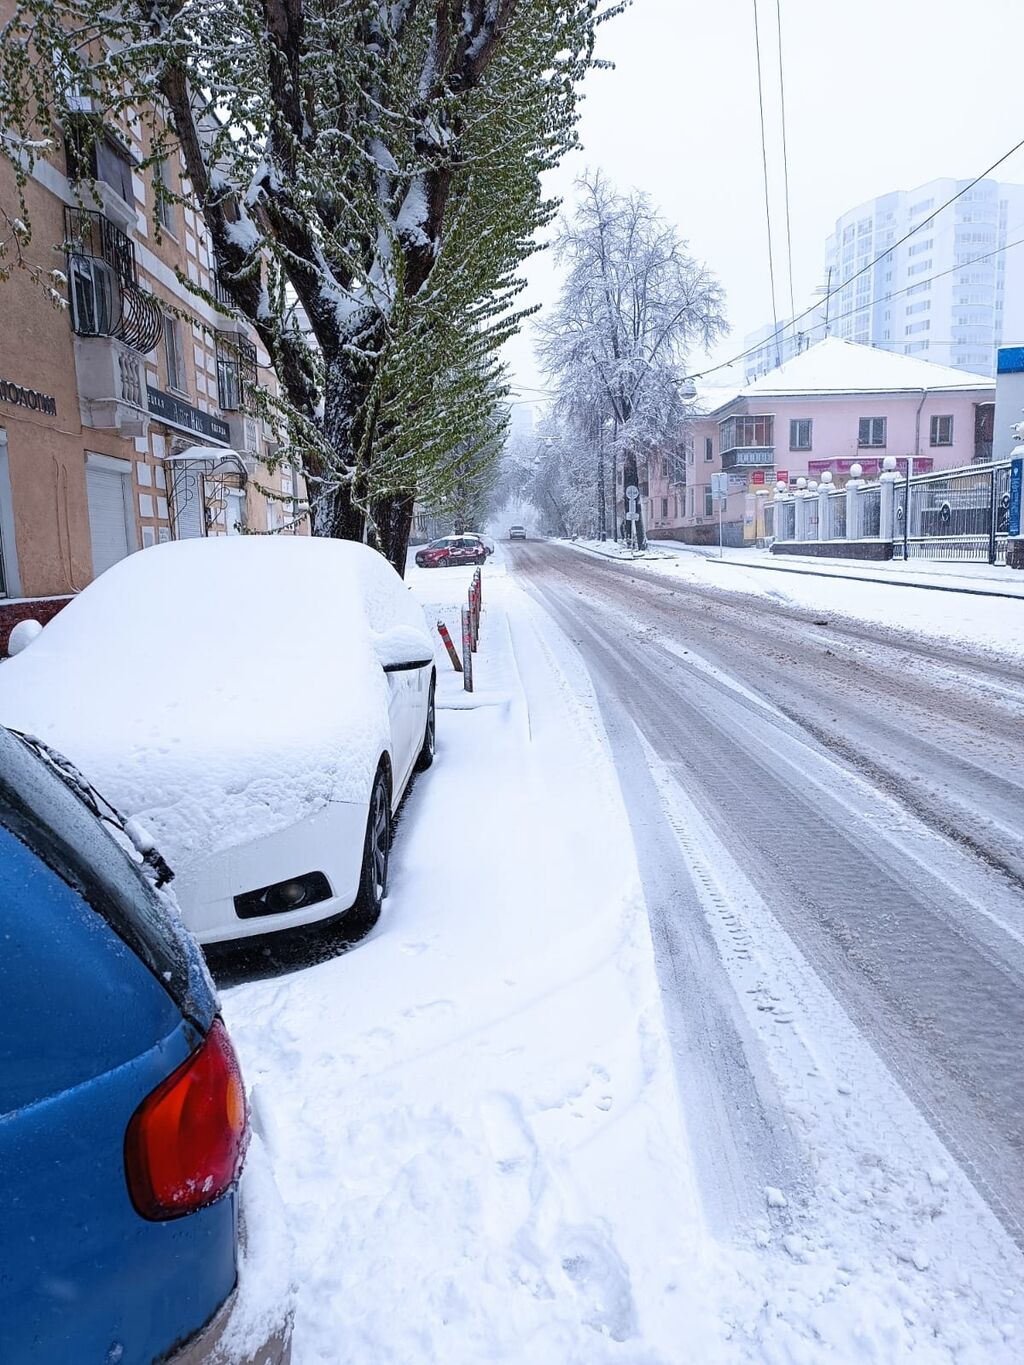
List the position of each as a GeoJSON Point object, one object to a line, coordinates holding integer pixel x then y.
{"type": "Point", "coordinates": [834, 405]}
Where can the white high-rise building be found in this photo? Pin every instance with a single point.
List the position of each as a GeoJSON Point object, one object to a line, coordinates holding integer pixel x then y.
{"type": "Point", "coordinates": [932, 296]}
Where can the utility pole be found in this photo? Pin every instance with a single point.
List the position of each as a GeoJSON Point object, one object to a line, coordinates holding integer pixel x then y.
{"type": "Point", "coordinates": [602, 526]}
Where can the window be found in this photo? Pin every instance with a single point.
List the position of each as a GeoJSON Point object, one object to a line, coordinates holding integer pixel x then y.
{"type": "Point", "coordinates": [920, 267]}
{"type": "Point", "coordinates": [922, 306]}
{"type": "Point", "coordinates": [174, 355]}
{"type": "Point", "coordinates": [690, 499]}
{"type": "Point", "coordinates": [913, 327]}
{"type": "Point", "coordinates": [709, 448]}
{"type": "Point", "coordinates": [918, 247]}
{"type": "Point", "coordinates": [942, 431]}
{"type": "Point", "coordinates": [871, 431]}
{"type": "Point", "coordinates": [96, 153]}
{"type": "Point", "coordinates": [922, 207]}
{"type": "Point", "coordinates": [664, 469]}
{"type": "Point", "coordinates": [236, 371]}
{"type": "Point", "coordinates": [800, 433]}
{"type": "Point", "coordinates": [166, 211]}
{"type": "Point", "coordinates": [92, 288]}
{"type": "Point", "coordinates": [664, 501]}
{"type": "Point", "coordinates": [709, 506]}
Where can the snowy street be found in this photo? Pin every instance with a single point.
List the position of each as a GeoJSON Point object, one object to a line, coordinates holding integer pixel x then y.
{"type": "Point", "coordinates": [731, 1077]}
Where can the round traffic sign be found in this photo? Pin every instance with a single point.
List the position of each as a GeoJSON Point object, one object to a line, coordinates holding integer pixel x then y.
{"type": "Point", "coordinates": [632, 491]}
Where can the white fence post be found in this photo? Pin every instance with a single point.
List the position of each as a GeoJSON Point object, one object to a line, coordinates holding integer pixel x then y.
{"type": "Point", "coordinates": [800, 519]}
{"type": "Point", "coordinates": [888, 480]}
{"type": "Point", "coordinates": [824, 508]}
{"type": "Point", "coordinates": [853, 502]}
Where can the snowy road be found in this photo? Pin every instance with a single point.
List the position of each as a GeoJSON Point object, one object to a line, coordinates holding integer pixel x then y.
{"type": "Point", "coordinates": [846, 804]}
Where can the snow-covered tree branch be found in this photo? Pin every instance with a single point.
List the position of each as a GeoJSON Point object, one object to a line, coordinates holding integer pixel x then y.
{"type": "Point", "coordinates": [634, 305]}
{"type": "Point", "coordinates": [369, 174]}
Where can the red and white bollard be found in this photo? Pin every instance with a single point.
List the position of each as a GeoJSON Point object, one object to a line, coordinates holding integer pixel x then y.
{"type": "Point", "coordinates": [453, 653]}
{"type": "Point", "coordinates": [467, 649]}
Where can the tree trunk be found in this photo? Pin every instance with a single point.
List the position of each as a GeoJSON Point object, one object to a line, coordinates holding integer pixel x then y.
{"type": "Point", "coordinates": [393, 519]}
{"type": "Point", "coordinates": [631, 475]}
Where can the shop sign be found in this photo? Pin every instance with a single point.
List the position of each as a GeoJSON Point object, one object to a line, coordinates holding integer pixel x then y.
{"type": "Point", "coordinates": [177, 413]}
{"type": "Point", "coordinates": [27, 398]}
{"type": "Point", "coordinates": [757, 477]}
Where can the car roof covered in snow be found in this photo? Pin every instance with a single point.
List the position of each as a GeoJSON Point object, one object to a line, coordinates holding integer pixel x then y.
{"type": "Point", "coordinates": [219, 688]}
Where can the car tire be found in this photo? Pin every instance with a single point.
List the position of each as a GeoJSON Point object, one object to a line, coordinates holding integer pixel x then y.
{"type": "Point", "coordinates": [426, 754]}
{"type": "Point", "coordinates": [373, 876]}
{"type": "Point", "coordinates": [443, 562]}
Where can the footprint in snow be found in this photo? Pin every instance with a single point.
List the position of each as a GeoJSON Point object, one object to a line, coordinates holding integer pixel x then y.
{"type": "Point", "coordinates": [600, 1279]}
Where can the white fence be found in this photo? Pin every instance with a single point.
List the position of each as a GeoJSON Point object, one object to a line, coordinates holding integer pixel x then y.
{"type": "Point", "coordinates": [957, 514]}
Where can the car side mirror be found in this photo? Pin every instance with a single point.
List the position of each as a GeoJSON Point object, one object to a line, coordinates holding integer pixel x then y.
{"type": "Point", "coordinates": [400, 649]}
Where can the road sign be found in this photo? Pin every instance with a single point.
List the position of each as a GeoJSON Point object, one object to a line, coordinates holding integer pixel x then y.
{"type": "Point", "coordinates": [632, 491]}
{"type": "Point", "coordinates": [1016, 494]}
{"type": "Point", "coordinates": [632, 516]}
{"type": "Point", "coordinates": [719, 485]}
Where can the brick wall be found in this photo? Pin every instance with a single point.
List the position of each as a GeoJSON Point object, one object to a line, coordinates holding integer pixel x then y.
{"type": "Point", "coordinates": [41, 609]}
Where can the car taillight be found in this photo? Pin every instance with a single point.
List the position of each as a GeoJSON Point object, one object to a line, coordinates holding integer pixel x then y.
{"type": "Point", "coordinates": [186, 1141]}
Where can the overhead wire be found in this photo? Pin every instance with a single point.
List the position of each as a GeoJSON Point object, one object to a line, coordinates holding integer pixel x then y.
{"type": "Point", "coordinates": [870, 265]}
{"type": "Point", "coordinates": [785, 165]}
{"type": "Point", "coordinates": [764, 163]}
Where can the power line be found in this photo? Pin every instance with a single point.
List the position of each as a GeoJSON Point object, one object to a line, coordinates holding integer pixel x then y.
{"type": "Point", "coordinates": [702, 374]}
{"type": "Point", "coordinates": [785, 161]}
{"type": "Point", "coordinates": [939, 275]}
{"type": "Point", "coordinates": [764, 162]}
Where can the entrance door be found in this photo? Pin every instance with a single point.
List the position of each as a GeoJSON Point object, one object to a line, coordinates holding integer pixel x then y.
{"type": "Point", "coordinates": [109, 496]}
{"type": "Point", "coordinates": [189, 510]}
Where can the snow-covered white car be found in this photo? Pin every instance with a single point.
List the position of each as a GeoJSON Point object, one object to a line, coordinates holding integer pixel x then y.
{"type": "Point", "coordinates": [257, 705]}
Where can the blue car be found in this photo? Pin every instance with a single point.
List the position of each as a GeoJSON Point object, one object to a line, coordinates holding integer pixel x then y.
{"type": "Point", "coordinates": [123, 1120]}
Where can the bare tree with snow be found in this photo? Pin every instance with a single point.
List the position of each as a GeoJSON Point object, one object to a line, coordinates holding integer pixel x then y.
{"type": "Point", "coordinates": [377, 161]}
{"type": "Point", "coordinates": [633, 306]}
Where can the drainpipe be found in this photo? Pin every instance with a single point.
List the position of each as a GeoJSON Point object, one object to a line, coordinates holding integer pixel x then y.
{"type": "Point", "coordinates": [917, 425]}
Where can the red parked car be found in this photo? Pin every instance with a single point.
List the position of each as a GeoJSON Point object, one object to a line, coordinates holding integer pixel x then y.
{"type": "Point", "coordinates": [451, 550]}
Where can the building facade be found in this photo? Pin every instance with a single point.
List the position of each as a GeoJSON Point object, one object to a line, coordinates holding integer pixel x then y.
{"type": "Point", "coordinates": [126, 412]}
{"type": "Point", "coordinates": [951, 293]}
{"type": "Point", "coordinates": [828, 408]}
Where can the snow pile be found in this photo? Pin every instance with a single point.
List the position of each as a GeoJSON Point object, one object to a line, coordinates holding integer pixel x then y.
{"type": "Point", "coordinates": [219, 689]}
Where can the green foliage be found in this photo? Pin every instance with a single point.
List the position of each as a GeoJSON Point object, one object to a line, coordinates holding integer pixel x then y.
{"type": "Point", "coordinates": [370, 177]}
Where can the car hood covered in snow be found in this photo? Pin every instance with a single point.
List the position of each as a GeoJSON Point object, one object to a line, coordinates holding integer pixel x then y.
{"type": "Point", "coordinates": [219, 689]}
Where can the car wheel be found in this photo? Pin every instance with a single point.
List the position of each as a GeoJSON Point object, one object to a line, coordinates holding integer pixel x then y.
{"type": "Point", "coordinates": [443, 562]}
{"type": "Point", "coordinates": [429, 732]}
{"type": "Point", "coordinates": [373, 878]}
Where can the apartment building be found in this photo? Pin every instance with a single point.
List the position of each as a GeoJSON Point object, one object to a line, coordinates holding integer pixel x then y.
{"type": "Point", "coordinates": [953, 293]}
{"type": "Point", "coordinates": [830, 407]}
{"type": "Point", "coordinates": [126, 414]}
{"type": "Point", "coordinates": [950, 294]}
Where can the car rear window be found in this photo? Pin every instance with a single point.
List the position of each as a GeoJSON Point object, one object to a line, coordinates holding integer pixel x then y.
{"type": "Point", "coordinates": [37, 807]}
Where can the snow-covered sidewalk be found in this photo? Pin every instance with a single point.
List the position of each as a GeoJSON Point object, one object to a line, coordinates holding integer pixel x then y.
{"type": "Point", "coordinates": [887, 595]}
{"type": "Point", "coordinates": [472, 1116]}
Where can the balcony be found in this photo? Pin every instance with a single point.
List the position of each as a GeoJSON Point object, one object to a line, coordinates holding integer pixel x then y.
{"type": "Point", "coordinates": [747, 441]}
{"type": "Point", "coordinates": [111, 385]}
{"type": "Point", "coordinates": [103, 283]}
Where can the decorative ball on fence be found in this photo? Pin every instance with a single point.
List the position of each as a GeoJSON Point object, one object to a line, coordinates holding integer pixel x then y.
{"type": "Point", "coordinates": [856, 471]}
{"type": "Point", "coordinates": [801, 483]}
{"type": "Point", "coordinates": [812, 485]}
{"type": "Point", "coordinates": [889, 463]}
{"type": "Point", "coordinates": [827, 476]}
{"type": "Point", "coordinates": [781, 486]}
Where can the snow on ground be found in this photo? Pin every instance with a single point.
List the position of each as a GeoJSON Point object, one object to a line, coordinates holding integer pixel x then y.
{"type": "Point", "coordinates": [990, 623]}
{"type": "Point", "coordinates": [473, 1117]}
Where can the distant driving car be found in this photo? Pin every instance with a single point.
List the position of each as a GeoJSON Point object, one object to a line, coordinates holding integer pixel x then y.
{"type": "Point", "coordinates": [452, 550]}
{"type": "Point", "coordinates": [517, 533]}
{"type": "Point", "coordinates": [123, 1121]}
{"type": "Point", "coordinates": [259, 704]}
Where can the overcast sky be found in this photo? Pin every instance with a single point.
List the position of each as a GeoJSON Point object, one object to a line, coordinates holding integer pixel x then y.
{"type": "Point", "coordinates": [880, 95]}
